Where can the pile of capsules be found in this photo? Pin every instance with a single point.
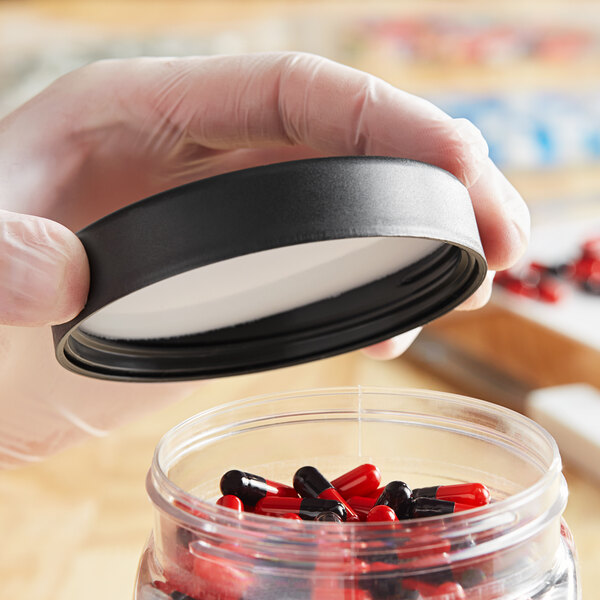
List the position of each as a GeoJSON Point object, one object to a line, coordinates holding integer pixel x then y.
{"type": "Point", "coordinates": [354, 496]}
{"type": "Point", "coordinates": [546, 283]}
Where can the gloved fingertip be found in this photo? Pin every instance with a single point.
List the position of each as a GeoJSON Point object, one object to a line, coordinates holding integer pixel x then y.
{"type": "Point", "coordinates": [73, 292]}
{"type": "Point", "coordinates": [470, 153]}
{"type": "Point", "coordinates": [505, 235]}
{"type": "Point", "coordinates": [481, 296]}
{"type": "Point", "coordinates": [44, 273]}
{"type": "Point", "coordinates": [502, 217]}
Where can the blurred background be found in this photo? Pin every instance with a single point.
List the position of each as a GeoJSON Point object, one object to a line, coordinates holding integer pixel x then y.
{"type": "Point", "coordinates": [526, 73]}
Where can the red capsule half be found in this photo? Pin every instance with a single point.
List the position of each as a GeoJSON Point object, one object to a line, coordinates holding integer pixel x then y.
{"type": "Point", "coordinates": [475, 494]}
{"type": "Point", "coordinates": [522, 289]}
{"type": "Point", "coordinates": [451, 589]}
{"type": "Point", "coordinates": [310, 483]}
{"type": "Point", "coordinates": [551, 290]}
{"type": "Point", "coordinates": [591, 247]}
{"type": "Point", "coordinates": [292, 516]}
{"type": "Point", "coordinates": [361, 506]}
{"type": "Point", "coordinates": [376, 493]}
{"type": "Point", "coordinates": [218, 579]}
{"type": "Point", "coordinates": [333, 576]}
{"type": "Point", "coordinates": [359, 482]}
{"type": "Point", "coordinates": [381, 513]}
{"type": "Point", "coordinates": [586, 267]}
{"type": "Point", "coordinates": [231, 501]}
{"type": "Point", "coordinates": [424, 545]}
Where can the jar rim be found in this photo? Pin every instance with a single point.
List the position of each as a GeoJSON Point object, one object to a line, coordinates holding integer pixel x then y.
{"type": "Point", "coordinates": [171, 498]}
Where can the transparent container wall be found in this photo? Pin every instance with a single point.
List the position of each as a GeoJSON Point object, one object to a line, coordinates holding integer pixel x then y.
{"type": "Point", "coordinates": [420, 441]}
{"type": "Point", "coordinates": [423, 438]}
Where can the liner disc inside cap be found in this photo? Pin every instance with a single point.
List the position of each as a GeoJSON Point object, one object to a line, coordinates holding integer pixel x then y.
{"type": "Point", "coordinates": [271, 266]}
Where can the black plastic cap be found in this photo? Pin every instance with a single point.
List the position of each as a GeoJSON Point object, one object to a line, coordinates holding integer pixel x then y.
{"type": "Point", "coordinates": [257, 210]}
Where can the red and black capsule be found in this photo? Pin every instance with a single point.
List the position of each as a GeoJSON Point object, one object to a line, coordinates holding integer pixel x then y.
{"type": "Point", "coordinates": [251, 488]}
{"type": "Point", "coordinates": [361, 481]}
{"type": "Point", "coordinates": [310, 483]}
{"type": "Point", "coordinates": [397, 495]}
{"type": "Point", "coordinates": [474, 494]}
{"type": "Point", "coordinates": [306, 508]}
{"type": "Point", "coordinates": [432, 507]}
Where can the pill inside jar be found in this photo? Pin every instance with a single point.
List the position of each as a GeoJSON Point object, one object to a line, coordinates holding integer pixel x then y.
{"type": "Point", "coordinates": [465, 501]}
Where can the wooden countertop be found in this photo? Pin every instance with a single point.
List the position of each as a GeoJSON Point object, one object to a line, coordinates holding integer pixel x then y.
{"type": "Point", "coordinates": [74, 526]}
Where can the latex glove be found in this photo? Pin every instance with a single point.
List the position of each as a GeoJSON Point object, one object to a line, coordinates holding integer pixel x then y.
{"type": "Point", "coordinates": [117, 131]}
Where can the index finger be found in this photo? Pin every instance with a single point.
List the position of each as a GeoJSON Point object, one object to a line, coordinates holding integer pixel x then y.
{"type": "Point", "coordinates": [219, 103]}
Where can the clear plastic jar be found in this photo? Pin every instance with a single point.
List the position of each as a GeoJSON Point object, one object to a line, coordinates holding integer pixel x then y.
{"type": "Point", "coordinates": [517, 547]}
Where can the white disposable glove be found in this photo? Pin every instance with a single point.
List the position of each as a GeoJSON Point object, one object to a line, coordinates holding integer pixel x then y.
{"type": "Point", "coordinates": [117, 131]}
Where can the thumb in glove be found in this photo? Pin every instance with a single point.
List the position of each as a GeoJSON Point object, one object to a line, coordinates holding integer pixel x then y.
{"type": "Point", "coordinates": [44, 274]}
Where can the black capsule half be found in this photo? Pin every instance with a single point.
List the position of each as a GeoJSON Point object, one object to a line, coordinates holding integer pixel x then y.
{"type": "Point", "coordinates": [426, 492]}
{"type": "Point", "coordinates": [396, 495]}
{"type": "Point", "coordinates": [471, 577]}
{"type": "Point", "coordinates": [185, 537]}
{"type": "Point", "coordinates": [306, 508]}
{"type": "Point", "coordinates": [310, 483]}
{"type": "Point", "coordinates": [430, 507]}
{"type": "Point", "coordinates": [251, 488]}
{"type": "Point", "coordinates": [311, 508]}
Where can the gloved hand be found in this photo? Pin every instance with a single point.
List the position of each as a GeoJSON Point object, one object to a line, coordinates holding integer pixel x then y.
{"type": "Point", "coordinates": [117, 131]}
